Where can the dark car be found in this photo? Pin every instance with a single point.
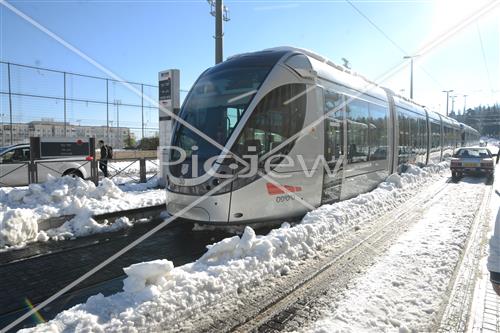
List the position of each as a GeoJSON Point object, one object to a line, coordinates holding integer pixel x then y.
{"type": "Point", "coordinates": [472, 160]}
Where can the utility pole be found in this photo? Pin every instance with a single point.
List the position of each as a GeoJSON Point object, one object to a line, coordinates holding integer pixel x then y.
{"type": "Point", "coordinates": [221, 13]}
{"type": "Point", "coordinates": [65, 120]}
{"type": "Point", "coordinates": [411, 72]}
{"type": "Point", "coordinates": [3, 130]}
{"type": "Point", "coordinates": [107, 111]}
{"type": "Point", "coordinates": [118, 102]}
{"type": "Point", "coordinates": [447, 99]}
{"type": "Point", "coordinates": [10, 104]}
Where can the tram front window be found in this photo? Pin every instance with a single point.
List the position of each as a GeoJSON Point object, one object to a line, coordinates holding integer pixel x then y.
{"type": "Point", "coordinates": [214, 106]}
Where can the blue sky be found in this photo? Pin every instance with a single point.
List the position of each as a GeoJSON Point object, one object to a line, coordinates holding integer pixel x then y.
{"type": "Point", "coordinates": [136, 39]}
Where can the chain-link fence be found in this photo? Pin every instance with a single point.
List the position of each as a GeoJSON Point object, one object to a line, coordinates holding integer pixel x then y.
{"type": "Point", "coordinates": [44, 102]}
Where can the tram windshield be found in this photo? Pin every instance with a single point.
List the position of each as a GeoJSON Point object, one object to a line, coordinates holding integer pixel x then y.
{"type": "Point", "coordinates": [217, 102]}
{"type": "Point", "coordinates": [215, 105]}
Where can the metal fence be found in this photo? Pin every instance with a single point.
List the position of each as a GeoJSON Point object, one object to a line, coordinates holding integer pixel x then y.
{"type": "Point", "coordinates": [121, 170]}
{"type": "Point", "coordinates": [37, 101]}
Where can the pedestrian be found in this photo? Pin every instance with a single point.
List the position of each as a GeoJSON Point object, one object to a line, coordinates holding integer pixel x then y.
{"type": "Point", "coordinates": [494, 257]}
{"type": "Point", "coordinates": [105, 156]}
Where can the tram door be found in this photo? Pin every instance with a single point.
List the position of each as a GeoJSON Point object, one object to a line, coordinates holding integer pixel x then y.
{"type": "Point", "coordinates": [334, 149]}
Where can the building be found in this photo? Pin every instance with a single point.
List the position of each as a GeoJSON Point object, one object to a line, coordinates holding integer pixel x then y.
{"type": "Point", "coordinates": [21, 132]}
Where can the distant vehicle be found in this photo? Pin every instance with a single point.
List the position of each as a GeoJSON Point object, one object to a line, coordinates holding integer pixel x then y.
{"type": "Point", "coordinates": [14, 166]}
{"type": "Point", "coordinates": [472, 160]}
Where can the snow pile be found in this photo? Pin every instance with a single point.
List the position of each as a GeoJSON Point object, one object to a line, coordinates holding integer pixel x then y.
{"type": "Point", "coordinates": [83, 225]}
{"type": "Point", "coordinates": [17, 226]}
{"type": "Point", "coordinates": [22, 208]}
{"type": "Point", "coordinates": [167, 298]}
{"type": "Point", "coordinates": [405, 289]}
{"type": "Point", "coordinates": [146, 273]}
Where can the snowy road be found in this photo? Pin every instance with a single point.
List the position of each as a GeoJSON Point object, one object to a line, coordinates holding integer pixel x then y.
{"type": "Point", "coordinates": [406, 287]}
{"type": "Point", "coordinates": [384, 261]}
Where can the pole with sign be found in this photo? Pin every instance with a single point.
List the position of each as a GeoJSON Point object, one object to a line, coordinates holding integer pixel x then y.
{"type": "Point", "coordinates": [169, 100]}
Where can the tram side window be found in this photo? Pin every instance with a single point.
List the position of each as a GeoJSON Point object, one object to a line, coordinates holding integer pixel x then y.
{"type": "Point", "coordinates": [357, 131]}
{"type": "Point", "coordinates": [449, 137]}
{"type": "Point", "coordinates": [413, 124]}
{"type": "Point", "coordinates": [334, 129]}
{"type": "Point", "coordinates": [422, 133]}
{"type": "Point", "coordinates": [404, 136]}
{"type": "Point", "coordinates": [277, 117]}
{"type": "Point", "coordinates": [435, 136]}
{"type": "Point", "coordinates": [445, 136]}
{"type": "Point", "coordinates": [378, 132]}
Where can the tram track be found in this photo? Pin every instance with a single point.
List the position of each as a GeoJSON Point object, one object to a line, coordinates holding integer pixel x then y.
{"type": "Point", "coordinates": [39, 249]}
{"type": "Point", "coordinates": [337, 271]}
{"type": "Point", "coordinates": [300, 303]}
{"type": "Point", "coordinates": [335, 267]}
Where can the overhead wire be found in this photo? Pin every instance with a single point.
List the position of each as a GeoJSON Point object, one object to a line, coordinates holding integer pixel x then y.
{"type": "Point", "coordinates": [484, 57]}
{"type": "Point", "coordinates": [392, 41]}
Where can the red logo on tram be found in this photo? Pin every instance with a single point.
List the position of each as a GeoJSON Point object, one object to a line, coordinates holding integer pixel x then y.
{"type": "Point", "coordinates": [275, 190]}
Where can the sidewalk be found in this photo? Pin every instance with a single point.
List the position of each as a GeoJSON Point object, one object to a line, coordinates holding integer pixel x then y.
{"type": "Point", "coordinates": [485, 309]}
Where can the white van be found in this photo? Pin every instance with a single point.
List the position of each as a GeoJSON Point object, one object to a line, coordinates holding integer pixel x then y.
{"type": "Point", "coordinates": [14, 162]}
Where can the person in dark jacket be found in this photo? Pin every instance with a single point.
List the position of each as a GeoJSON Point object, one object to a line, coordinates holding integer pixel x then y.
{"type": "Point", "coordinates": [103, 162]}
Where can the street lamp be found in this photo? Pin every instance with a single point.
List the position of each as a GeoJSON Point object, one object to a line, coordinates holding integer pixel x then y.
{"type": "Point", "coordinates": [453, 103]}
{"type": "Point", "coordinates": [411, 72]}
{"type": "Point", "coordinates": [447, 98]}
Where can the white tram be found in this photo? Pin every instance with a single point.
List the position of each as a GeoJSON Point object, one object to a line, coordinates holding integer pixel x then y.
{"type": "Point", "coordinates": [309, 127]}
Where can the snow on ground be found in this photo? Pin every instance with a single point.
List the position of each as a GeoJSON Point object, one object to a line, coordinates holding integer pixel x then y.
{"type": "Point", "coordinates": [405, 289]}
{"type": "Point", "coordinates": [132, 167]}
{"type": "Point", "coordinates": [21, 208]}
{"type": "Point", "coordinates": [127, 172]}
{"type": "Point", "coordinates": [159, 297]}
